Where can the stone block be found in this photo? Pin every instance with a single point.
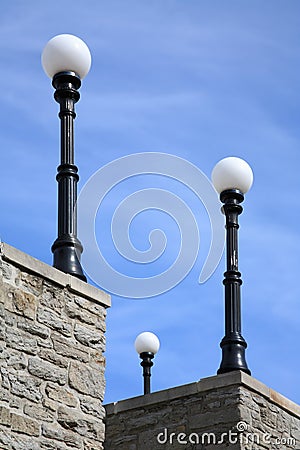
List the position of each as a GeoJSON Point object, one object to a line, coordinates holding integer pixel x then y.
{"type": "Point", "coordinates": [80, 423]}
{"type": "Point", "coordinates": [18, 301]}
{"type": "Point", "coordinates": [61, 395]}
{"type": "Point", "coordinates": [50, 404]}
{"type": "Point", "coordinates": [51, 356]}
{"type": "Point", "coordinates": [86, 380]}
{"type": "Point", "coordinates": [69, 349]}
{"type": "Point", "coordinates": [33, 328]}
{"type": "Point", "coordinates": [5, 416]}
{"type": "Point", "coordinates": [24, 425]}
{"type": "Point", "coordinates": [97, 358]}
{"type": "Point", "coordinates": [89, 337]}
{"type": "Point", "coordinates": [44, 343]}
{"type": "Point", "coordinates": [14, 359]}
{"type": "Point", "coordinates": [30, 283]}
{"type": "Point", "coordinates": [16, 403]}
{"type": "Point", "coordinates": [39, 412]}
{"type": "Point", "coordinates": [93, 407]}
{"type": "Point", "coordinates": [15, 441]}
{"type": "Point", "coordinates": [52, 297]}
{"type": "Point", "coordinates": [85, 316]}
{"type": "Point", "coordinates": [49, 444]}
{"type": "Point", "coordinates": [25, 386]}
{"type": "Point", "coordinates": [54, 321]}
{"type": "Point", "coordinates": [5, 383]}
{"type": "Point", "coordinates": [89, 444]}
{"type": "Point", "coordinates": [4, 395]}
{"type": "Point", "coordinates": [10, 318]}
{"type": "Point", "coordinates": [47, 371]}
{"type": "Point", "coordinates": [93, 307]}
{"type": "Point", "coordinates": [55, 432]}
{"type": "Point", "coordinates": [5, 438]}
{"type": "Point", "coordinates": [19, 340]}
{"type": "Point", "coordinates": [9, 272]}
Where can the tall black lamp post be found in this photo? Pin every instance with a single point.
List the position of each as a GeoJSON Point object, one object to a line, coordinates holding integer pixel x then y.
{"type": "Point", "coordinates": [232, 178]}
{"type": "Point", "coordinates": [147, 345]}
{"type": "Point", "coordinates": [66, 59]}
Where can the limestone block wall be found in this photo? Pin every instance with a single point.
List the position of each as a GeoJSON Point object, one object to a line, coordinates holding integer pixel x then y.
{"type": "Point", "coordinates": [51, 357]}
{"type": "Point", "coordinates": [230, 411]}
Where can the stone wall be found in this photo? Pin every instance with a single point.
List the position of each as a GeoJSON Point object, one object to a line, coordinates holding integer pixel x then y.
{"type": "Point", "coordinates": [51, 357]}
{"type": "Point", "coordinates": [52, 383]}
{"type": "Point", "coordinates": [230, 411]}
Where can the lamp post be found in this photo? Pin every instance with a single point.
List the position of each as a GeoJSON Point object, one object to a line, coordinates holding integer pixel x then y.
{"type": "Point", "coordinates": [66, 59]}
{"type": "Point", "coordinates": [147, 345]}
{"type": "Point", "coordinates": [232, 178]}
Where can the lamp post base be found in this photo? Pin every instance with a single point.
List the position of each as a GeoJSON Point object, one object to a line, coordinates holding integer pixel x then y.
{"type": "Point", "coordinates": [65, 257]}
{"type": "Point", "coordinates": [233, 355]}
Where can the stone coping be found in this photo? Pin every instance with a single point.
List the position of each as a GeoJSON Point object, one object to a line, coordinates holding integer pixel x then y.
{"type": "Point", "coordinates": [62, 279]}
{"type": "Point", "coordinates": [205, 384]}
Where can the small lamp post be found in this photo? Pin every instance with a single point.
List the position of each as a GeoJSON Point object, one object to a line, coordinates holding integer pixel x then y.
{"type": "Point", "coordinates": [147, 345]}
{"type": "Point", "coordinates": [66, 59]}
{"type": "Point", "coordinates": [232, 178]}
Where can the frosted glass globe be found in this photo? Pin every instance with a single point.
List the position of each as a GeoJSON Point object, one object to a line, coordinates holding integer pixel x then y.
{"type": "Point", "coordinates": [232, 173]}
{"type": "Point", "coordinates": [64, 53]}
{"type": "Point", "coordinates": [147, 342]}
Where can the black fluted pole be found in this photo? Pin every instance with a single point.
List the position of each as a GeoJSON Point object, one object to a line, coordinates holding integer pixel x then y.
{"type": "Point", "coordinates": [67, 248]}
{"type": "Point", "coordinates": [147, 364]}
{"type": "Point", "coordinates": [233, 344]}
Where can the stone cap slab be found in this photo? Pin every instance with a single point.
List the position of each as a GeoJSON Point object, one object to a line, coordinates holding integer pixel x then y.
{"type": "Point", "coordinates": [236, 378]}
{"type": "Point", "coordinates": [73, 284]}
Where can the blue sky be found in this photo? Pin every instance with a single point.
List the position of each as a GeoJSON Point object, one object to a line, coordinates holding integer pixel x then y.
{"type": "Point", "coordinates": [198, 79]}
